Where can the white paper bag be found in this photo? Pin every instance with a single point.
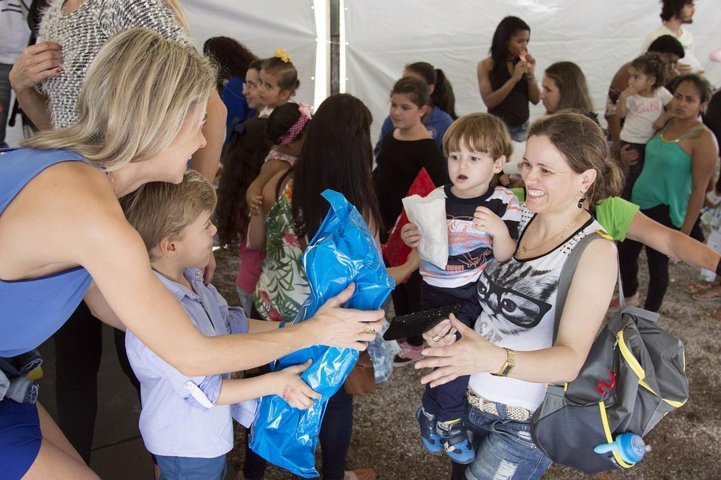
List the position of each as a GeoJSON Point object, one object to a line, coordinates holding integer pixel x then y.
{"type": "Point", "coordinates": [429, 215]}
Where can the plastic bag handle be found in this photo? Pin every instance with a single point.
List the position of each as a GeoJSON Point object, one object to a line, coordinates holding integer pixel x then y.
{"type": "Point", "coordinates": [337, 202]}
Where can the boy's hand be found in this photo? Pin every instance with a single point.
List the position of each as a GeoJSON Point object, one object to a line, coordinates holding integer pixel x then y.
{"type": "Point", "coordinates": [411, 235]}
{"type": "Point", "coordinates": [294, 390]}
{"type": "Point", "coordinates": [484, 219]}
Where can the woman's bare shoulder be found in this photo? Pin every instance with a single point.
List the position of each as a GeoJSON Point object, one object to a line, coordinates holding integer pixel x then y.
{"type": "Point", "coordinates": [486, 64]}
{"type": "Point", "coordinates": [76, 184]}
{"type": "Point", "coordinates": [61, 213]}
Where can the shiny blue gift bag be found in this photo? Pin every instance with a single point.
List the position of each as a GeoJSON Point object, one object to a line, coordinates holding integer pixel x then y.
{"type": "Point", "coordinates": [343, 251]}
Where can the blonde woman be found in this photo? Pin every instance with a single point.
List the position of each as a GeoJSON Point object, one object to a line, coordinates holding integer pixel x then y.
{"type": "Point", "coordinates": [47, 79]}
{"type": "Point", "coordinates": [64, 237]}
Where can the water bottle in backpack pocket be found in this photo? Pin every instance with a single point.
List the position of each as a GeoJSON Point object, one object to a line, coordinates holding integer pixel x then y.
{"type": "Point", "coordinates": [633, 376]}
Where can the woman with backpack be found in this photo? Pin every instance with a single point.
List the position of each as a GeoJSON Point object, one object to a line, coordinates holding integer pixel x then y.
{"type": "Point", "coordinates": [510, 354]}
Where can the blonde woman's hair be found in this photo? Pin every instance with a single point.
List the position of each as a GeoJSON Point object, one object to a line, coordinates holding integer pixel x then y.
{"type": "Point", "coordinates": [478, 132]}
{"type": "Point", "coordinates": [138, 93]}
{"type": "Point", "coordinates": [159, 209]}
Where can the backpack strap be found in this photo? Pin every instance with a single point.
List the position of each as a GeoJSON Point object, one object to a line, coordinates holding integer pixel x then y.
{"type": "Point", "coordinates": [567, 272]}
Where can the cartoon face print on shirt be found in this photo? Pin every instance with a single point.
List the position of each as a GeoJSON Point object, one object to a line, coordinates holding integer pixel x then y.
{"type": "Point", "coordinates": [517, 302]}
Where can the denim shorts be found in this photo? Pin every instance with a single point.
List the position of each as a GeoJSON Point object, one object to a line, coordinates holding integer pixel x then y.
{"type": "Point", "coordinates": [504, 448]}
{"type": "Point", "coordinates": [188, 468]}
{"type": "Point", "coordinates": [519, 133]}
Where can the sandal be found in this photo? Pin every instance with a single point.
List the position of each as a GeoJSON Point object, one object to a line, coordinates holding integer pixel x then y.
{"type": "Point", "coordinates": [360, 474]}
{"type": "Point", "coordinates": [698, 287]}
{"type": "Point", "coordinates": [714, 315]}
{"type": "Point", "coordinates": [710, 294]}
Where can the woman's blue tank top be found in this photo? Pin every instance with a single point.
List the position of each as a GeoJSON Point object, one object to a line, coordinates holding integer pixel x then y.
{"type": "Point", "coordinates": [32, 310]}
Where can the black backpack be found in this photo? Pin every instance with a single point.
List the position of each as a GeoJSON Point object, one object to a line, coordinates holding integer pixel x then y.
{"type": "Point", "coordinates": [633, 376]}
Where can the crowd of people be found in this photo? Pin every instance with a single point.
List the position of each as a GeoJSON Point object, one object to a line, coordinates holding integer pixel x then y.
{"type": "Point", "coordinates": [134, 125]}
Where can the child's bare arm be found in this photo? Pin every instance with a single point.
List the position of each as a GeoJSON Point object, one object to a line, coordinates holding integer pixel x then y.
{"type": "Point", "coordinates": [256, 227]}
{"type": "Point", "coordinates": [255, 191]}
{"type": "Point", "coordinates": [256, 231]}
{"type": "Point", "coordinates": [401, 272]}
{"type": "Point", "coordinates": [285, 383]}
{"type": "Point", "coordinates": [663, 119]}
{"type": "Point", "coordinates": [503, 244]}
{"type": "Point", "coordinates": [621, 107]}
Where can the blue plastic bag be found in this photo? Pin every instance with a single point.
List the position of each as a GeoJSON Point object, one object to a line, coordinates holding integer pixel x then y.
{"type": "Point", "coordinates": [343, 251]}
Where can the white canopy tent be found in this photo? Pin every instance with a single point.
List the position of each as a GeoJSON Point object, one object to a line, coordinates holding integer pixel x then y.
{"type": "Point", "coordinates": [378, 37]}
{"type": "Point", "coordinates": [598, 36]}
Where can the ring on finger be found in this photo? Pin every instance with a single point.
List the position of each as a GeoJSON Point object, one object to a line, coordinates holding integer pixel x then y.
{"type": "Point", "coordinates": [368, 329]}
{"type": "Point", "coordinates": [437, 338]}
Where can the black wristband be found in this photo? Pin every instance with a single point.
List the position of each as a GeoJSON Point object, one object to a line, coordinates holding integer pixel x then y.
{"type": "Point", "coordinates": [718, 267]}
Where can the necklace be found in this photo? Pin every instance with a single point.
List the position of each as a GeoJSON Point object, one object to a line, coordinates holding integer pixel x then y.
{"type": "Point", "coordinates": [522, 249]}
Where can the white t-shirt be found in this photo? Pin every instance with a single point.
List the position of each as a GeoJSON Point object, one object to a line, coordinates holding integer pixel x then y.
{"type": "Point", "coordinates": [642, 112]}
{"type": "Point", "coordinates": [517, 302]}
{"type": "Point", "coordinates": [14, 30]}
{"type": "Point", "coordinates": [686, 40]}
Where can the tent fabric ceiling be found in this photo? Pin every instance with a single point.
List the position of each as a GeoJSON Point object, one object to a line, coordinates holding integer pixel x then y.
{"type": "Point", "coordinates": [382, 36]}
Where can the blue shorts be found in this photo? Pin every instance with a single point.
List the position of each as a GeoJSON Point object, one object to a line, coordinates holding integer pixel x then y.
{"type": "Point", "coordinates": [190, 468]}
{"type": "Point", "coordinates": [20, 438]}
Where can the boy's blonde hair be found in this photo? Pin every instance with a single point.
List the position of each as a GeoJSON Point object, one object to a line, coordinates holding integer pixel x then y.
{"type": "Point", "coordinates": [158, 209]}
{"type": "Point", "coordinates": [138, 92]}
{"type": "Point", "coordinates": [478, 132]}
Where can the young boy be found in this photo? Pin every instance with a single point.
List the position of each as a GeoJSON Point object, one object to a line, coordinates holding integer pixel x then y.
{"type": "Point", "coordinates": [186, 421]}
{"type": "Point", "coordinates": [482, 225]}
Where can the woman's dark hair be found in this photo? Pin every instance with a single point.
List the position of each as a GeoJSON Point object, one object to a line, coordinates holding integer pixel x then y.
{"type": "Point", "coordinates": [337, 154]}
{"type": "Point", "coordinates": [256, 64]}
{"type": "Point", "coordinates": [672, 8]}
{"type": "Point", "coordinates": [442, 95]}
{"type": "Point", "coordinates": [285, 72]}
{"type": "Point", "coordinates": [242, 158]}
{"type": "Point", "coordinates": [571, 83]}
{"type": "Point", "coordinates": [424, 70]}
{"type": "Point", "coordinates": [281, 119]}
{"type": "Point", "coordinates": [231, 56]}
{"type": "Point", "coordinates": [667, 44]}
{"type": "Point", "coordinates": [414, 88]}
{"type": "Point", "coordinates": [504, 32]}
{"type": "Point", "coordinates": [700, 82]}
